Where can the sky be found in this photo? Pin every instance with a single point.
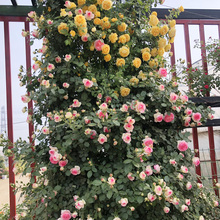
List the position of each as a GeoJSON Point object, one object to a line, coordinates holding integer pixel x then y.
{"type": "Point", "coordinates": [18, 54]}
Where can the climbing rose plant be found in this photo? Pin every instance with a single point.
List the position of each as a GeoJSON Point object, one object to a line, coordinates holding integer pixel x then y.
{"type": "Point", "coordinates": [109, 120]}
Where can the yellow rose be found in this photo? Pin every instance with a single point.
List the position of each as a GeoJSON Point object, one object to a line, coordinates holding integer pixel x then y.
{"type": "Point", "coordinates": [79, 20]}
{"type": "Point", "coordinates": [122, 27]}
{"type": "Point", "coordinates": [122, 39]}
{"type": "Point", "coordinates": [161, 51]}
{"type": "Point", "coordinates": [81, 2]}
{"type": "Point", "coordinates": [49, 9]}
{"type": "Point", "coordinates": [114, 19]}
{"type": "Point", "coordinates": [63, 13]}
{"type": "Point", "coordinates": [124, 51]}
{"type": "Point", "coordinates": [146, 49]}
{"type": "Point", "coordinates": [107, 58]}
{"type": "Point", "coordinates": [82, 30]}
{"type": "Point", "coordinates": [146, 56]}
{"type": "Point", "coordinates": [153, 64]}
{"type": "Point", "coordinates": [99, 2]}
{"type": "Point", "coordinates": [120, 62]}
{"type": "Point", "coordinates": [172, 32]}
{"type": "Point", "coordinates": [97, 21]}
{"type": "Point", "coordinates": [134, 80]}
{"type": "Point", "coordinates": [92, 47]}
{"type": "Point", "coordinates": [155, 31]}
{"type": "Point", "coordinates": [92, 8]}
{"type": "Point", "coordinates": [107, 4]}
{"type": "Point", "coordinates": [105, 24]}
{"type": "Point", "coordinates": [113, 37]}
{"type": "Point", "coordinates": [98, 14]}
{"type": "Point", "coordinates": [153, 20]}
{"type": "Point", "coordinates": [164, 30]}
{"type": "Point", "coordinates": [171, 40]}
{"type": "Point", "coordinates": [105, 49]}
{"type": "Point", "coordinates": [63, 28]}
{"type": "Point", "coordinates": [121, 15]}
{"type": "Point", "coordinates": [72, 33]}
{"type": "Point", "coordinates": [124, 91]}
{"type": "Point", "coordinates": [172, 23]}
{"type": "Point", "coordinates": [162, 42]}
{"type": "Point", "coordinates": [131, 31]}
{"type": "Point", "coordinates": [153, 52]}
{"type": "Point", "coordinates": [154, 13]}
{"type": "Point", "coordinates": [127, 37]}
{"type": "Point", "coordinates": [181, 8]}
{"type": "Point", "coordinates": [142, 75]}
{"type": "Point", "coordinates": [84, 8]}
{"type": "Point", "coordinates": [136, 62]}
{"type": "Point", "coordinates": [167, 47]}
{"type": "Point", "coordinates": [72, 5]}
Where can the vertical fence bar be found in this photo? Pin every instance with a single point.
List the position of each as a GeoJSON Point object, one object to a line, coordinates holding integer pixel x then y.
{"type": "Point", "coordinates": [210, 129]}
{"type": "Point", "coordinates": [9, 117]}
{"type": "Point", "coordinates": [194, 130]}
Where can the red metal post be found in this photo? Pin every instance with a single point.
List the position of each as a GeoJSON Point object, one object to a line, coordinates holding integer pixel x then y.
{"type": "Point", "coordinates": [9, 118]}
{"type": "Point", "coordinates": [210, 129]}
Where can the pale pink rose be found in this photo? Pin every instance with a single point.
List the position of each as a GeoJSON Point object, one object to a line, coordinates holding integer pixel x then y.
{"type": "Point", "coordinates": [201, 217]}
{"type": "Point", "coordinates": [130, 177]}
{"type": "Point", "coordinates": [98, 45]}
{"type": "Point", "coordinates": [75, 197]}
{"type": "Point", "coordinates": [66, 85]}
{"type": "Point", "coordinates": [161, 87]}
{"type": "Point", "coordinates": [158, 190]}
{"type": "Point", "coordinates": [55, 158]}
{"type": "Point", "coordinates": [29, 118]}
{"type": "Point", "coordinates": [217, 185]}
{"type": "Point", "coordinates": [210, 116]}
{"type": "Point", "coordinates": [76, 103]}
{"type": "Point", "coordinates": [184, 169]}
{"type": "Point", "coordinates": [180, 176]}
{"type": "Point", "coordinates": [34, 185]}
{"type": "Point", "coordinates": [130, 120]}
{"type": "Point", "coordinates": [187, 201]}
{"type": "Point", "coordinates": [123, 202]}
{"type": "Point", "coordinates": [184, 208]}
{"type": "Point", "coordinates": [173, 162]}
{"type": "Point", "coordinates": [142, 175]}
{"type": "Point", "coordinates": [188, 111]}
{"type": "Point", "coordinates": [50, 67]}
{"type": "Point", "coordinates": [162, 72]}
{"type": "Point", "coordinates": [166, 209]}
{"type": "Point", "coordinates": [168, 117]}
{"type": "Point", "coordinates": [158, 117]}
{"type": "Point", "coordinates": [102, 139]}
{"type": "Point", "coordinates": [140, 107]}
{"type": "Point", "coordinates": [157, 168]}
{"type": "Point", "coordinates": [102, 115]}
{"type": "Point", "coordinates": [182, 146]}
{"type": "Point", "coordinates": [35, 33]}
{"type": "Point", "coordinates": [215, 203]}
{"type": "Point", "coordinates": [80, 204]}
{"type": "Point", "coordinates": [124, 108]}
{"type": "Point", "coordinates": [126, 137]}
{"type": "Point", "coordinates": [43, 49]}
{"type": "Point", "coordinates": [149, 171]}
{"type": "Point", "coordinates": [99, 96]}
{"type": "Point", "coordinates": [184, 98]}
{"type": "Point", "coordinates": [199, 185]}
{"type": "Point", "coordinates": [67, 57]}
{"type": "Point", "coordinates": [43, 169]}
{"type": "Point", "coordinates": [75, 214]}
{"type": "Point", "coordinates": [188, 186]}
{"type": "Point", "coordinates": [196, 161]}
{"type": "Point", "coordinates": [67, 4]}
{"type": "Point", "coordinates": [63, 163]}
{"type": "Point", "coordinates": [35, 66]}
{"type": "Point", "coordinates": [106, 130]}
{"type": "Point", "coordinates": [32, 14]}
{"type": "Point", "coordinates": [68, 115]}
{"type": "Point", "coordinates": [50, 22]}
{"type": "Point", "coordinates": [75, 170]}
{"type": "Point", "coordinates": [173, 97]}
{"type": "Point", "coordinates": [87, 121]}
{"type": "Point", "coordinates": [58, 59]}
{"type": "Point", "coordinates": [79, 11]}
{"type": "Point", "coordinates": [168, 192]}
{"type": "Point", "coordinates": [89, 15]}
{"type": "Point", "coordinates": [25, 99]}
{"type": "Point", "coordinates": [151, 197]}
{"type": "Point", "coordinates": [148, 150]}
{"type": "Point", "coordinates": [175, 201]}
{"type": "Point", "coordinates": [57, 118]}
{"type": "Point", "coordinates": [45, 130]}
{"type": "Point", "coordinates": [148, 142]}
{"type": "Point", "coordinates": [128, 127]}
{"type": "Point", "coordinates": [196, 117]}
{"type": "Point", "coordinates": [187, 119]}
{"type": "Point", "coordinates": [24, 33]}
{"type": "Point", "coordinates": [87, 83]}
{"type": "Point", "coordinates": [186, 124]}
{"type": "Point", "coordinates": [108, 99]}
{"type": "Point", "coordinates": [85, 37]}
{"type": "Point", "coordinates": [116, 218]}
{"type": "Point", "coordinates": [87, 131]}
{"type": "Point", "coordinates": [65, 215]}
{"type": "Point", "coordinates": [103, 106]}
{"type": "Point", "coordinates": [111, 180]}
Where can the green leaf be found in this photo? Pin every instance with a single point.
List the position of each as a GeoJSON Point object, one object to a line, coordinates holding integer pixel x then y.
{"type": "Point", "coordinates": [127, 161]}
{"type": "Point", "coordinates": [109, 194]}
{"type": "Point", "coordinates": [116, 122]}
{"type": "Point", "coordinates": [89, 174]}
{"type": "Point", "coordinates": [61, 91]}
{"type": "Point", "coordinates": [57, 188]}
{"type": "Point", "coordinates": [97, 182]}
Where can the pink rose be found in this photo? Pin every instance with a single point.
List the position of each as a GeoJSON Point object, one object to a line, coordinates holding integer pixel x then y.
{"type": "Point", "coordinates": [67, 57]}
{"type": "Point", "coordinates": [75, 171]}
{"type": "Point", "coordinates": [130, 177]}
{"type": "Point", "coordinates": [157, 168]}
{"type": "Point", "coordinates": [187, 201]}
{"type": "Point", "coordinates": [173, 162]}
{"type": "Point", "coordinates": [85, 37]}
{"type": "Point", "coordinates": [25, 98]}
{"type": "Point", "coordinates": [111, 180]}
{"type": "Point", "coordinates": [50, 67]}
{"type": "Point", "coordinates": [182, 145]}
{"type": "Point", "coordinates": [196, 161]}
{"type": "Point", "coordinates": [89, 15]}
{"type": "Point", "coordinates": [184, 169]}
{"type": "Point", "coordinates": [168, 192]}
{"type": "Point", "coordinates": [162, 72]}
{"type": "Point", "coordinates": [32, 14]}
{"type": "Point", "coordinates": [76, 103]}
{"type": "Point", "coordinates": [79, 11]}
{"type": "Point", "coordinates": [128, 127]}
{"type": "Point", "coordinates": [87, 83]}
{"type": "Point", "coordinates": [176, 201]}
{"type": "Point", "coordinates": [130, 120]}
{"type": "Point", "coordinates": [196, 117]}
{"type": "Point", "coordinates": [106, 130]}
{"type": "Point", "coordinates": [180, 176]}
{"type": "Point", "coordinates": [142, 175]}
{"type": "Point", "coordinates": [45, 130]}
{"type": "Point", "coordinates": [58, 59]}
{"type": "Point", "coordinates": [173, 97]}
{"type": "Point", "coordinates": [148, 150]}
{"type": "Point", "coordinates": [168, 118]}
{"type": "Point", "coordinates": [199, 185]}
{"type": "Point", "coordinates": [55, 158]}
{"type": "Point", "coordinates": [123, 202]}
{"type": "Point", "coordinates": [149, 171]}
{"type": "Point", "coordinates": [108, 99]}
{"type": "Point", "coordinates": [184, 98]}
{"type": "Point", "coordinates": [188, 111]}
{"type": "Point", "coordinates": [102, 115]}
{"type": "Point", "coordinates": [75, 214]}
{"type": "Point", "coordinates": [98, 45]}
{"type": "Point", "coordinates": [57, 118]}
{"type": "Point", "coordinates": [161, 87]}
{"type": "Point", "coordinates": [126, 137]}
{"type": "Point", "coordinates": [87, 121]}
{"type": "Point", "coordinates": [184, 208]}
{"type": "Point", "coordinates": [140, 107]}
{"type": "Point", "coordinates": [80, 204]}
{"type": "Point", "coordinates": [158, 190]}
{"type": "Point", "coordinates": [103, 106]}
{"type": "Point", "coordinates": [151, 197]}
{"type": "Point", "coordinates": [65, 215]}
{"type": "Point", "coordinates": [99, 96]}
{"type": "Point", "coordinates": [49, 22]}
{"type": "Point", "coordinates": [148, 142]}
{"type": "Point", "coordinates": [102, 139]}
{"type": "Point", "coordinates": [43, 49]}
{"type": "Point", "coordinates": [66, 85]}
{"type": "Point", "coordinates": [215, 203]}
{"type": "Point", "coordinates": [63, 163]}
{"type": "Point", "coordinates": [124, 108]}
{"type": "Point", "coordinates": [188, 186]}
{"type": "Point", "coordinates": [75, 197]}
{"type": "Point", "coordinates": [35, 33]}
{"type": "Point", "coordinates": [158, 117]}
{"type": "Point", "coordinates": [35, 66]}
{"type": "Point", "coordinates": [24, 33]}
{"type": "Point", "coordinates": [166, 209]}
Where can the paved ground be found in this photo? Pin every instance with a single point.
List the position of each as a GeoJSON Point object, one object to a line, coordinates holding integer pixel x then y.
{"type": "Point", "coordinates": [4, 190]}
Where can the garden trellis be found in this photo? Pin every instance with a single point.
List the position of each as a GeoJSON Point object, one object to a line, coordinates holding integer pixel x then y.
{"type": "Point", "coordinates": [9, 17]}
